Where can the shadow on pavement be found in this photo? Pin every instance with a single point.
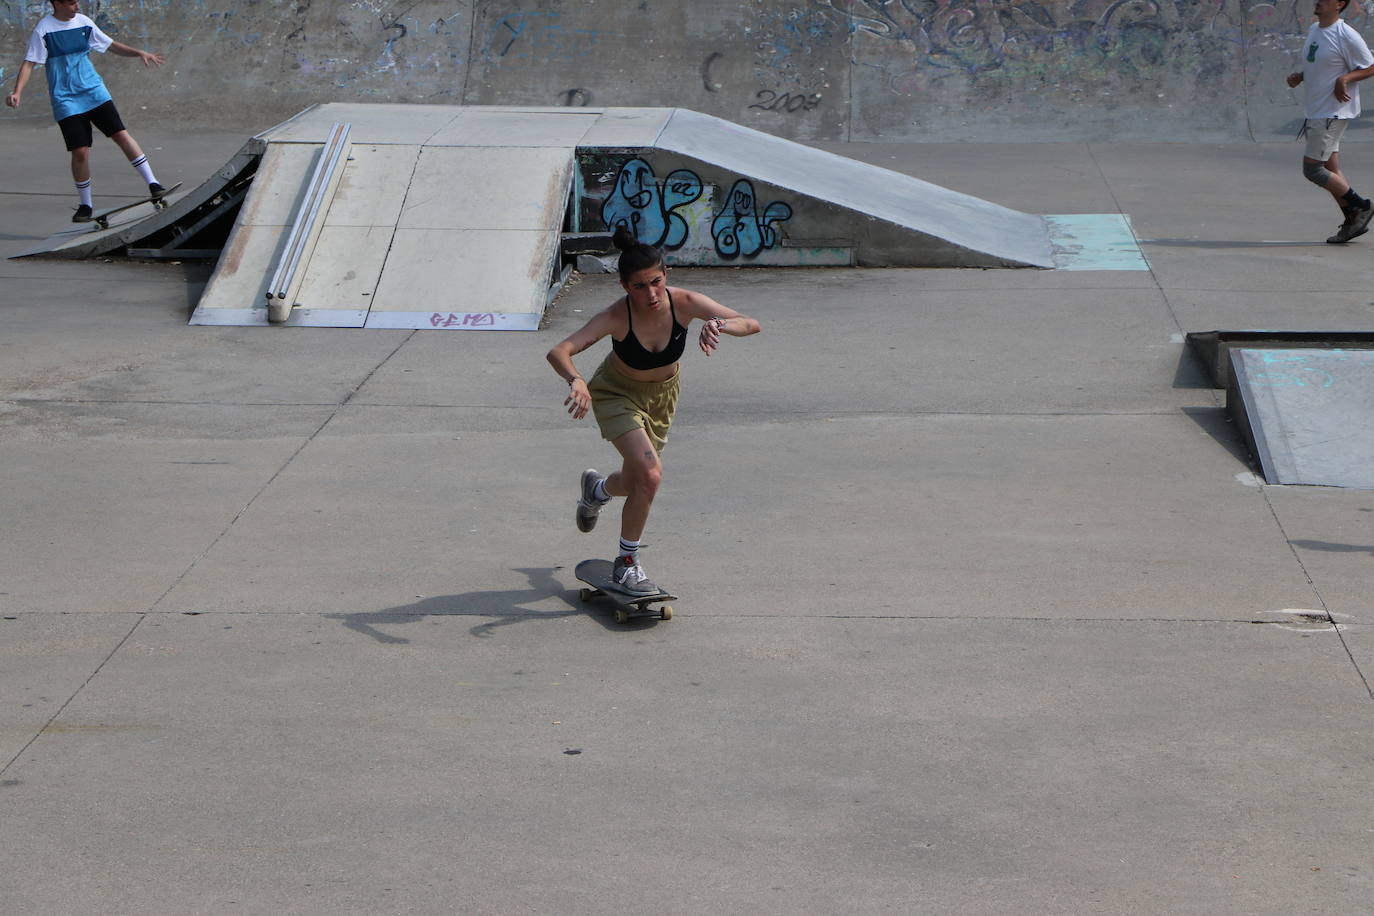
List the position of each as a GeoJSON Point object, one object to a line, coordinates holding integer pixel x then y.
{"type": "Point", "coordinates": [503, 606]}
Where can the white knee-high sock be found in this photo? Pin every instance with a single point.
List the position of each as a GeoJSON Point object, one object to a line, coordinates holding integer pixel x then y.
{"type": "Point", "coordinates": [145, 171]}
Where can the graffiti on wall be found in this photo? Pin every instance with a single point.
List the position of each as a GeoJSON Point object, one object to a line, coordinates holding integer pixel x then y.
{"type": "Point", "coordinates": [989, 39]}
{"type": "Point", "coordinates": [739, 230]}
{"type": "Point", "coordinates": [647, 210]}
{"type": "Point", "coordinates": [537, 35]}
{"type": "Point", "coordinates": [785, 43]}
{"type": "Point", "coordinates": [794, 67]}
{"type": "Point", "coordinates": [654, 212]}
{"type": "Point", "coordinates": [370, 47]}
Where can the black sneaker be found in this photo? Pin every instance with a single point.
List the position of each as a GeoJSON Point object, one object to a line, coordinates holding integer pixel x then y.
{"type": "Point", "coordinates": [1359, 222]}
{"type": "Point", "coordinates": [1356, 224]}
{"type": "Point", "coordinates": [156, 191]}
{"type": "Point", "coordinates": [83, 214]}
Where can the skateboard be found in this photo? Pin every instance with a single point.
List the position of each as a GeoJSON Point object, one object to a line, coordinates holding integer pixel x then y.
{"type": "Point", "coordinates": [101, 218]}
{"type": "Point", "coordinates": [597, 574]}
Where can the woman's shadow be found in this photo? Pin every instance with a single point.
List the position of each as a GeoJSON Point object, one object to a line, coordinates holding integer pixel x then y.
{"type": "Point", "coordinates": [504, 607]}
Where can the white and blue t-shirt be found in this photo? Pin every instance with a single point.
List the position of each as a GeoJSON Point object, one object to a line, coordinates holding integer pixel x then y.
{"type": "Point", "coordinates": [64, 49]}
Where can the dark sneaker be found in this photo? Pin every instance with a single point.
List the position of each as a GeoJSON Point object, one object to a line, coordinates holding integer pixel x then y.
{"type": "Point", "coordinates": [629, 577]}
{"type": "Point", "coordinates": [156, 191]}
{"type": "Point", "coordinates": [1356, 224]}
{"type": "Point", "coordinates": [83, 214]}
{"type": "Point", "coordinates": [1359, 222]}
{"type": "Point", "coordinates": [588, 506]}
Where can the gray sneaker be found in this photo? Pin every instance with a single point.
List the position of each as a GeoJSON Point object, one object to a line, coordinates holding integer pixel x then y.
{"type": "Point", "coordinates": [1356, 224]}
{"type": "Point", "coordinates": [629, 577]}
{"type": "Point", "coordinates": [588, 506]}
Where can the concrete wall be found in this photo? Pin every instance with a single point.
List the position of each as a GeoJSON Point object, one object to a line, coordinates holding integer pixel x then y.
{"type": "Point", "coordinates": [932, 70]}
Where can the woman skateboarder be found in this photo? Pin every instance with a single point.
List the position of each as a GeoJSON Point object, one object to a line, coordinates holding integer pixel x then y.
{"type": "Point", "coordinates": [634, 391]}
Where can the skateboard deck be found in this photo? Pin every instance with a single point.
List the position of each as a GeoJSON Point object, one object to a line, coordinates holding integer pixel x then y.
{"type": "Point", "coordinates": [101, 218]}
{"type": "Point", "coordinates": [597, 574]}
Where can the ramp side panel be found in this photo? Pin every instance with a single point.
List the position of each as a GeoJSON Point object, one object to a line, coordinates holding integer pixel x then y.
{"type": "Point", "coordinates": [1311, 412]}
{"type": "Point", "coordinates": [1248, 407]}
{"type": "Point", "coordinates": [961, 220]}
{"type": "Point", "coordinates": [707, 215]}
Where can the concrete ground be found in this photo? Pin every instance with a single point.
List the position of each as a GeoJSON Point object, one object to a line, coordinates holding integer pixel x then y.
{"type": "Point", "coordinates": [982, 608]}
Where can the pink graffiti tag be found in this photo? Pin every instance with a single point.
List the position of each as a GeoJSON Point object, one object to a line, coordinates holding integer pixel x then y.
{"type": "Point", "coordinates": [468, 320]}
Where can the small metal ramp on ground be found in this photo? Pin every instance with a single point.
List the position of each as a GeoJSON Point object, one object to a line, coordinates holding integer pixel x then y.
{"type": "Point", "coordinates": [1307, 414]}
{"type": "Point", "coordinates": [172, 232]}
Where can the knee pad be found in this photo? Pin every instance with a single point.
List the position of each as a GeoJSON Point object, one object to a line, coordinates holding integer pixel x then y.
{"type": "Point", "coordinates": [1316, 173]}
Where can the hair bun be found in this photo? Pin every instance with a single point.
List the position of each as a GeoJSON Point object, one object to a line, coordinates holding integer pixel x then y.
{"type": "Point", "coordinates": [624, 239]}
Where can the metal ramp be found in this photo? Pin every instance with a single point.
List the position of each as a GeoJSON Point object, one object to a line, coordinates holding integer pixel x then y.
{"type": "Point", "coordinates": [1307, 414]}
{"type": "Point", "coordinates": [177, 231]}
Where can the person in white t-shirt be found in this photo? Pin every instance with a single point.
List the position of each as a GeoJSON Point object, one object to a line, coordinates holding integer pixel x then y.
{"type": "Point", "coordinates": [62, 43]}
{"type": "Point", "coordinates": [1334, 59]}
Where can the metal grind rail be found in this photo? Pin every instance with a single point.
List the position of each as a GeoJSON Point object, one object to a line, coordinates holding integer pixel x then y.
{"type": "Point", "coordinates": [305, 230]}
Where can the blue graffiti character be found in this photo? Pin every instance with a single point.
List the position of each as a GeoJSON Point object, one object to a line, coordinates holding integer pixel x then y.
{"type": "Point", "coordinates": [738, 229]}
{"type": "Point", "coordinates": [638, 204]}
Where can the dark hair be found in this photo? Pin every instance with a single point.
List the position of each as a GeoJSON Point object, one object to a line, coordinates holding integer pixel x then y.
{"type": "Point", "coordinates": [634, 254]}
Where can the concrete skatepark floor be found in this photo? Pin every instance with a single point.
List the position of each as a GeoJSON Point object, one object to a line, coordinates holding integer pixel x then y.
{"type": "Point", "coordinates": [982, 610]}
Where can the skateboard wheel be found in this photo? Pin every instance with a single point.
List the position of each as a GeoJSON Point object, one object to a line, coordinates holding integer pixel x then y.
{"type": "Point", "coordinates": [585, 594]}
{"type": "Point", "coordinates": [622, 615]}
{"type": "Point", "coordinates": [665, 612]}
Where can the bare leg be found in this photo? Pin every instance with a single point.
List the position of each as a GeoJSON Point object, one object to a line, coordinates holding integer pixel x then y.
{"type": "Point", "coordinates": [637, 480]}
{"type": "Point", "coordinates": [127, 144]}
{"type": "Point", "coordinates": [81, 164]}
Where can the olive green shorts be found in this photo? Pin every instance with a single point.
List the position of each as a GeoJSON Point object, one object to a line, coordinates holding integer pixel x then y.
{"type": "Point", "coordinates": [622, 404]}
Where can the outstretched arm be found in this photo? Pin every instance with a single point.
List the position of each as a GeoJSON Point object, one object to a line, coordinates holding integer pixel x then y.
{"type": "Point", "coordinates": [26, 68]}
{"type": "Point", "coordinates": [716, 320]}
{"type": "Point", "coordinates": [149, 58]}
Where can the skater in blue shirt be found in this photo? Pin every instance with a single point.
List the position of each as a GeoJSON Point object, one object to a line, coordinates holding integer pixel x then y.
{"type": "Point", "coordinates": [62, 43]}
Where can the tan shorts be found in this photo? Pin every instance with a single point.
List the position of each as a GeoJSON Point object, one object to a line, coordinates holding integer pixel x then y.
{"type": "Point", "coordinates": [622, 404]}
{"type": "Point", "coordinates": [1323, 137]}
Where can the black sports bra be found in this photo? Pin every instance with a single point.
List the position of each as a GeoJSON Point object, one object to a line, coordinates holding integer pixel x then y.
{"type": "Point", "coordinates": [632, 352]}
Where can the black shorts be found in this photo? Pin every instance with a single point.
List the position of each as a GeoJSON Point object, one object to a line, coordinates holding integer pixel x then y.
{"type": "Point", "coordinates": [76, 130]}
